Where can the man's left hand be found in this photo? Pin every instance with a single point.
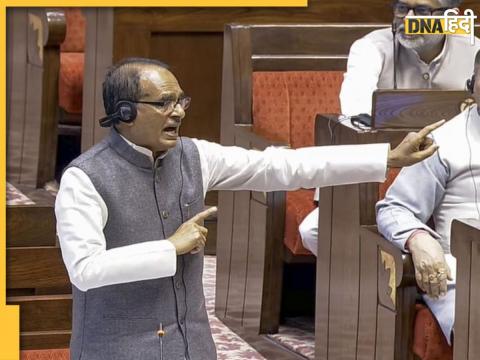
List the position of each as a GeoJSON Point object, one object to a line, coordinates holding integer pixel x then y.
{"type": "Point", "coordinates": [431, 268]}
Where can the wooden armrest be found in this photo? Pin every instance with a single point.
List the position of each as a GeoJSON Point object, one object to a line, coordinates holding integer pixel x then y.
{"type": "Point", "coordinates": [464, 231]}
{"type": "Point", "coordinates": [47, 28]}
{"type": "Point", "coordinates": [403, 262]}
{"type": "Point", "coordinates": [245, 134]}
{"type": "Point", "coordinates": [57, 26]}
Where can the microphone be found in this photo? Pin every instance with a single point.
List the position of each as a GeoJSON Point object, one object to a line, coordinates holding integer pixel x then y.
{"type": "Point", "coordinates": [394, 33]}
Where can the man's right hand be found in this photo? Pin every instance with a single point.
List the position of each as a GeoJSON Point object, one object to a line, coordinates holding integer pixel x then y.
{"type": "Point", "coordinates": [431, 268]}
{"type": "Point", "coordinates": [414, 148]}
{"type": "Point", "coordinates": [191, 235]}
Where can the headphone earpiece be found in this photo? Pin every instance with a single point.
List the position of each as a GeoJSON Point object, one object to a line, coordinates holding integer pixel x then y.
{"type": "Point", "coordinates": [125, 111]}
{"type": "Point", "coordinates": [471, 84]}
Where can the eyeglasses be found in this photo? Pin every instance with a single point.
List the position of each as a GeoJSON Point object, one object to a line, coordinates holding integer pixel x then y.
{"type": "Point", "coordinates": [401, 10]}
{"type": "Point", "coordinates": [167, 106]}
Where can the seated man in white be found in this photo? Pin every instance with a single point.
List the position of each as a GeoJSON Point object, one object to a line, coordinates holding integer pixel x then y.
{"type": "Point", "coordinates": [444, 187]}
{"type": "Point", "coordinates": [422, 62]}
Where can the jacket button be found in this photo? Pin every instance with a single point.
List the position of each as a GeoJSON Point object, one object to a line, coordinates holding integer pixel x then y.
{"type": "Point", "coordinates": [161, 333]}
{"type": "Point", "coordinates": [177, 284]}
{"type": "Point", "coordinates": [165, 214]}
{"type": "Point", "coordinates": [426, 76]}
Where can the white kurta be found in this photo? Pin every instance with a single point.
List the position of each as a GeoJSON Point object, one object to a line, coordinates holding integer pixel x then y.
{"type": "Point", "coordinates": [82, 214]}
{"type": "Point", "coordinates": [370, 67]}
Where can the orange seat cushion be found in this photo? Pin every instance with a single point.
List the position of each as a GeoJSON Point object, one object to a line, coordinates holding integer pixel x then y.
{"type": "Point", "coordinates": [50, 354]}
{"type": "Point", "coordinates": [70, 84]}
{"type": "Point", "coordinates": [284, 107]}
{"type": "Point", "coordinates": [429, 343]}
{"type": "Point", "coordinates": [298, 205]}
{"type": "Point", "coordinates": [75, 31]}
{"type": "Point", "coordinates": [311, 93]}
{"type": "Point", "coordinates": [271, 106]}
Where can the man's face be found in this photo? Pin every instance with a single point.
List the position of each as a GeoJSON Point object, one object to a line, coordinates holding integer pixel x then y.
{"type": "Point", "coordinates": [418, 43]}
{"type": "Point", "coordinates": [154, 127]}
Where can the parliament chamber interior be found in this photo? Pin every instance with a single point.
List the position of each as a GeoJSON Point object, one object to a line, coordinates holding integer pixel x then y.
{"type": "Point", "coordinates": [258, 77]}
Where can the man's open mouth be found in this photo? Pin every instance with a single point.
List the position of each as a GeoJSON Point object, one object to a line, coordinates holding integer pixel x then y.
{"type": "Point", "coordinates": [171, 131]}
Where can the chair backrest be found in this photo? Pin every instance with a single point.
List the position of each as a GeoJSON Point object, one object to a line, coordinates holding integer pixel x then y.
{"type": "Point", "coordinates": [275, 76]}
{"type": "Point", "coordinates": [285, 103]}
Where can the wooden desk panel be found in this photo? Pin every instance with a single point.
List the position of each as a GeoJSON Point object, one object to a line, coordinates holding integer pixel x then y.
{"type": "Point", "coordinates": [465, 246]}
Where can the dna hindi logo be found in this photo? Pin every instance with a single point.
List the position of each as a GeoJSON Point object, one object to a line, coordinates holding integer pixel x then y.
{"type": "Point", "coordinates": [450, 23]}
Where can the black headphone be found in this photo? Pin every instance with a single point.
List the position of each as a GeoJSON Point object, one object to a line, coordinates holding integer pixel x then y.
{"type": "Point", "coordinates": [471, 84]}
{"type": "Point", "coordinates": [125, 111]}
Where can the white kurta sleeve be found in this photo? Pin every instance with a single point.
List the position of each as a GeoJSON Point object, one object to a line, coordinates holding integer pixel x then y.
{"type": "Point", "coordinates": [81, 216]}
{"type": "Point", "coordinates": [275, 169]}
{"type": "Point", "coordinates": [364, 66]}
{"type": "Point", "coordinates": [411, 200]}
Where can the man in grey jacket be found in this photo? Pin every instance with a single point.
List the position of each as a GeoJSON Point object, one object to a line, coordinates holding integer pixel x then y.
{"type": "Point", "coordinates": [130, 210]}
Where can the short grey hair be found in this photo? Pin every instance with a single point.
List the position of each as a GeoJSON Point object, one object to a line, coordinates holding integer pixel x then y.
{"type": "Point", "coordinates": [450, 3]}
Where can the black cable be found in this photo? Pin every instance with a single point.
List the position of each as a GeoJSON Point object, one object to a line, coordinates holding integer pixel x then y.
{"type": "Point", "coordinates": [470, 167]}
{"type": "Point", "coordinates": [395, 54]}
{"type": "Point", "coordinates": [181, 179]}
{"type": "Point", "coordinates": [332, 130]}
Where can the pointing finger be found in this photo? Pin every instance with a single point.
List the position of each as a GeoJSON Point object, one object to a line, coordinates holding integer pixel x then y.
{"type": "Point", "coordinates": [429, 128]}
{"type": "Point", "coordinates": [203, 215]}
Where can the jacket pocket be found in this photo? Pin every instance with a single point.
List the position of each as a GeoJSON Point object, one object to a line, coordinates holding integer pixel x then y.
{"type": "Point", "coordinates": [190, 207]}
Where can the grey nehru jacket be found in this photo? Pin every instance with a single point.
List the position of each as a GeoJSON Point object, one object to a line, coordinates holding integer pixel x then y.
{"type": "Point", "coordinates": [370, 67]}
{"type": "Point", "coordinates": [144, 203]}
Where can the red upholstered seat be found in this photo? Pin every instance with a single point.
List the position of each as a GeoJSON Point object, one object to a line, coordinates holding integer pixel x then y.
{"type": "Point", "coordinates": [428, 341]}
{"type": "Point", "coordinates": [284, 108]}
{"type": "Point", "coordinates": [298, 205]}
{"type": "Point", "coordinates": [50, 354]}
{"type": "Point", "coordinates": [70, 85]}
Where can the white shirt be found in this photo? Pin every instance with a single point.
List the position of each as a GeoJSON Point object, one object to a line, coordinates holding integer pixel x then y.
{"type": "Point", "coordinates": [443, 186]}
{"type": "Point", "coordinates": [82, 214]}
{"type": "Point", "coordinates": [370, 67]}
